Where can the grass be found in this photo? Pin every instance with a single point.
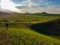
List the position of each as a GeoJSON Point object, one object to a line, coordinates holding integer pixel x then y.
{"type": "Point", "coordinates": [20, 34]}
{"type": "Point", "coordinates": [57, 37]}
{"type": "Point", "coordinates": [28, 18]}
{"type": "Point", "coordinates": [25, 36]}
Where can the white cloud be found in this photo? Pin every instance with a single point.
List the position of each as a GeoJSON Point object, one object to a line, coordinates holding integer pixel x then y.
{"type": "Point", "coordinates": [28, 0]}
{"type": "Point", "coordinates": [9, 5]}
{"type": "Point", "coordinates": [27, 3]}
{"type": "Point", "coordinates": [44, 6]}
{"type": "Point", "coordinates": [29, 6]}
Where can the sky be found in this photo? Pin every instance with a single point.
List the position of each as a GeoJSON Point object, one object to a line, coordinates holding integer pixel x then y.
{"type": "Point", "coordinates": [31, 6]}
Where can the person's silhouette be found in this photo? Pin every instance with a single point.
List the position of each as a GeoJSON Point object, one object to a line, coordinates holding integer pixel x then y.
{"type": "Point", "coordinates": [6, 23]}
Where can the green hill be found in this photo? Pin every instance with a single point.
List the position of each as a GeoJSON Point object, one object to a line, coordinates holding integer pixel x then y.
{"type": "Point", "coordinates": [25, 36]}
{"type": "Point", "coordinates": [28, 18]}
{"type": "Point", "coordinates": [20, 34]}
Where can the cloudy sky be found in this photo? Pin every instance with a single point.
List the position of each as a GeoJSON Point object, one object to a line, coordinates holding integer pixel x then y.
{"type": "Point", "coordinates": [31, 6]}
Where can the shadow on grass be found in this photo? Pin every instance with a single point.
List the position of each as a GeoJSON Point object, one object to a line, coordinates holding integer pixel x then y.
{"type": "Point", "coordinates": [48, 28]}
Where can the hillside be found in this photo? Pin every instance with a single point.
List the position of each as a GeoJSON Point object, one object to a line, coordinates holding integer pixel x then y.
{"type": "Point", "coordinates": [48, 28]}
{"type": "Point", "coordinates": [25, 36]}
{"type": "Point", "coordinates": [3, 13]}
{"type": "Point", "coordinates": [28, 18]}
{"type": "Point", "coordinates": [19, 32]}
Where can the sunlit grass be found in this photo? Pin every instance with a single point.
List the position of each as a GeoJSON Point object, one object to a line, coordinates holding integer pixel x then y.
{"type": "Point", "coordinates": [20, 34]}
{"type": "Point", "coordinates": [28, 18]}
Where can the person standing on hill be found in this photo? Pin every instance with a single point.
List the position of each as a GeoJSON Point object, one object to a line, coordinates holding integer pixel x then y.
{"type": "Point", "coordinates": [6, 23]}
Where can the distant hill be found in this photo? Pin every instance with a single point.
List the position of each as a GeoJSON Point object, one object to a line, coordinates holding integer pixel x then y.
{"type": "Point", "coordinates": [3, 13]}
{"type": "Point", "coordinates": [46, 14]}
{"type": "Point", "coordinates": [8, 13]}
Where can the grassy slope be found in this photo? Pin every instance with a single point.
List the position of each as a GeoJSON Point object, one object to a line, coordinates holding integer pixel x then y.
{"type": "Point", "coordinates": [25, 36]}
{"type": "Point", "coordinates": [57, 37]}
{"type": "Point", "coordinates": [29, 18]}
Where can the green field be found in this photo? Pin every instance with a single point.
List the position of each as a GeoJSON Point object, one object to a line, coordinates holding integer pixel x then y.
{"type": "Point", "coordinates": [28, 18]}
{"type": "Point", "coordinates": [20, 34]}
